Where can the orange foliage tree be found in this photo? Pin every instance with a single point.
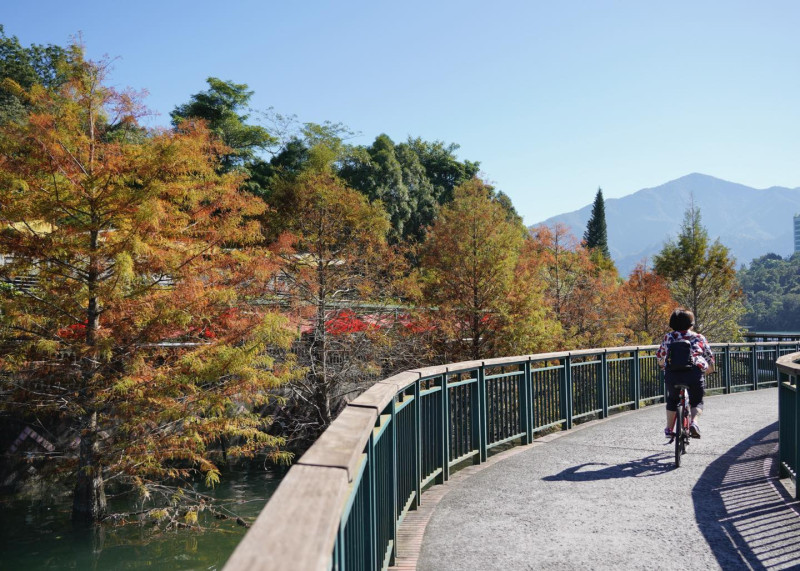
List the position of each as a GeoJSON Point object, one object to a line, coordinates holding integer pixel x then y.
{"type": "Point", "coordinates": [486, 297]}
{"type": "Point", "coordinates": [647, 305]}
{"type": "Point", "coordinates": [580, 291]}
{"type": "Point", "coordinates": [531, 326]}
{"type": "Point", "coordinates": [133, 329]}
{"type": "Point", "coordinates": [335, 271]}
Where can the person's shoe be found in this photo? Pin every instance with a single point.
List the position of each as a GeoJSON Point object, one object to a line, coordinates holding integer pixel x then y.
{"type": "Point", "coordinates": [694, 431]}
{"type": "Point", "coordinates": [668, 433]}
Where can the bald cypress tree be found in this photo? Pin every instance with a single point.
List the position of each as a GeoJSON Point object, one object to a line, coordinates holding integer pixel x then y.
{"type": "Point", "coordinates": [135, 336]}
{"type": "Point", "coordinates": [596, 235]}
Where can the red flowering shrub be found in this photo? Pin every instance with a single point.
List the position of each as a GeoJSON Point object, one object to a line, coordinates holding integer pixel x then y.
{"type": "Point", "coordinates": [74, 331]}
{"type": "Point", "coordinates": [346, 322]}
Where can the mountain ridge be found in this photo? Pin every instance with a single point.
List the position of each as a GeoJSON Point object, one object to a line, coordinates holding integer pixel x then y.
{"type": "Point", "coordinates": [750, 222]}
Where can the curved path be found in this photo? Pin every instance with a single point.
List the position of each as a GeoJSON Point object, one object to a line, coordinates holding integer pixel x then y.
{"type": "Point", "coordinates": [606, 495]}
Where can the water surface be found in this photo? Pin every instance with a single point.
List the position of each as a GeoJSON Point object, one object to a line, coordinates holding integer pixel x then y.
{"type": "Point", "coordinates": [38, 534]}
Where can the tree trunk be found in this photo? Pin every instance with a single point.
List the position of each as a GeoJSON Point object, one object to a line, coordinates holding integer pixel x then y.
{"type": "Point", "coordinates": [322, 381]}
{"type": "Point", "coordinates": [89, 499]}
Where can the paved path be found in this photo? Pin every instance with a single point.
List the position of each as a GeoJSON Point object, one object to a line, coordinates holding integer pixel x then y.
{"type": "Point", "coordinates": [607, 496]}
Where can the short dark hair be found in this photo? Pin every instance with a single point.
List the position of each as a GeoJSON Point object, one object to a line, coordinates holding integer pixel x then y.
{"type": "Point", "coordinates": [681, 319]}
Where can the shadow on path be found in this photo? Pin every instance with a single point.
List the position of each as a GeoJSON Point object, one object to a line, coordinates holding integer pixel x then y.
{"type": "Point", "coordinates": [652, 465]}
{"type": "Point", "coordinates": [743, 512]}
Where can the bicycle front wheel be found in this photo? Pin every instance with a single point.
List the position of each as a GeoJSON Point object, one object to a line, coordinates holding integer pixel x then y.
{"type": "Point", "coordinates": [679, 436]}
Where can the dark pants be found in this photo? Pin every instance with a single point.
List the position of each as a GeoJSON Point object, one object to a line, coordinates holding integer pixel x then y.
{"type": "Point", "coordinates": [693, 379]}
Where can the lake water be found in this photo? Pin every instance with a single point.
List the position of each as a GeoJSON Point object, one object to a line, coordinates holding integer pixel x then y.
{"type": "Point", "coordinates": [38, 534]}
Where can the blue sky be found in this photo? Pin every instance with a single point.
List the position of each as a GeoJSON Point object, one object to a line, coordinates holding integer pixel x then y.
{"type": "Point", "coordinates": [555, 99]}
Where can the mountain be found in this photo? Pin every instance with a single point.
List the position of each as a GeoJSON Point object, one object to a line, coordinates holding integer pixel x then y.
{"type": "Point", "coordinates": [749, 221]}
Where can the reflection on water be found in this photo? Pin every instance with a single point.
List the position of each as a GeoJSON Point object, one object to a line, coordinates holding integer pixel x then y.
{"type": "Point", "coordinates": [39, 535]}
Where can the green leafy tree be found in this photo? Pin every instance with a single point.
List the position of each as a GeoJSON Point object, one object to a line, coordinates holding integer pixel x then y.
{"type": "Point", "coordinates": [412, 180]}
{"type": "Point", "coordinates": [701, 277]}
{"type": "Point", "coordinates": [443, 169]}
{"type": "Point", "coordinates": [37, 64]}
{"type": "Point", "coordinates": [314, 147]}
{"type": "Point", "coordinates": [376, 172]}
{"type": "Point", "coordinates": [420, 191]}
{"type": "Point", "coordinates": [222, 106]}
{"type": "Point", "coordinates": [134, 329]}
{"type": "Point", "coordinates": [771, 286]}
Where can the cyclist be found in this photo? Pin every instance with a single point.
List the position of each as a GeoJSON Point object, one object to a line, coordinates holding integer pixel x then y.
{"type": "Point", "coordinates": [700, 363]}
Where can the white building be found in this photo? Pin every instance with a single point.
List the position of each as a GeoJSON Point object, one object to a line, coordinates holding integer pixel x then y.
{"type": "Point", "coordinates": [797, 232]}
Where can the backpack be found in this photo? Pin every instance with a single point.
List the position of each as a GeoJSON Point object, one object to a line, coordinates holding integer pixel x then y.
{"type": "Point", "coordinates": [679, 355]}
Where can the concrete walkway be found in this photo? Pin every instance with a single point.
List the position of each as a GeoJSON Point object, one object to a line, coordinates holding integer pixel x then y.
{"type": "Point", "coordinates": [607, 496]}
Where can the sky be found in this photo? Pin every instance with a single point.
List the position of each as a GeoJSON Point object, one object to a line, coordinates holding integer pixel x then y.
{"type": "Point", "coordinates": [555, 99]}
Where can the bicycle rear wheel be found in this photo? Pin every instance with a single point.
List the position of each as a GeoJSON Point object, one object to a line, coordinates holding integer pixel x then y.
{"type": "Point", "coordinates": [679, 446]}
{"type": "Point", "coordinates": [687, 421]}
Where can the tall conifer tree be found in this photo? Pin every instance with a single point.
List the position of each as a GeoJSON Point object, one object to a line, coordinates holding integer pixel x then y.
{"type": "Point", "coordinates": [596, 235]}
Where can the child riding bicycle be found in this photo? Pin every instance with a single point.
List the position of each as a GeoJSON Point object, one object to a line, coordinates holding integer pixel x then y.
{"type": "Point", "coordinates": [686, 357]}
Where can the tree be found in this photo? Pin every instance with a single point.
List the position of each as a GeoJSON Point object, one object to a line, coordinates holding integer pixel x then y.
{"type": "Point", "coordinates": [135, 331]}
{"type": "Point", "coordinates": [772, 289]}
{"type": "Point", "coordinates": [314, 146]}
{"type": "Point", "coordinates": [701, 277]}
{"type": "Point", "coordinates": [530, 325]}
{"type": "Point", "coordinates": [471, 253]}
{"type": "Point", "coordinates": [412, 180]}
{"type": "Point", "coordinates": [580, 292]}
{"type": "Point", "coordinates": [511, 213]}
{"type": "Point", "coordinates": [596, 235]}
{"type": "Point", "coordinates": [333, 245]}
{"type": "Point", "coordinates": [377, 173]}
{"type": "Point", "coordinates": [37, 64]}
{"type": "Point", "coordinates": [443, 169]}
{"type": "Point", "coordinates": [646, 304]}
{"type": "Point", "coordinates": [221, 107]}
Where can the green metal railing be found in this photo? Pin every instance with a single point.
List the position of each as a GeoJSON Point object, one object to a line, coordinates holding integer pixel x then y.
{"type": "Point", "coordinates": [788, 367]}
{"type": "Point", "coordinates": [410, 431]}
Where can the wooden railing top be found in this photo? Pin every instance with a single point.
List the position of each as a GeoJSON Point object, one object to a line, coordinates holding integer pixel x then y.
{"type": "Point", "coordinates": [790, 364]}
{"type": "Point", "coordinates": [310, 498]}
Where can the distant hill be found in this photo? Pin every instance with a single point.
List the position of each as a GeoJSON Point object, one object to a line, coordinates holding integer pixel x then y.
{"type": "Point", "coordinates": [749, 221]}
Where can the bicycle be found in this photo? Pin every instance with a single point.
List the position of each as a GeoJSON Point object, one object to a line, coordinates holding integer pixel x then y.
{"type": "Point", "coordinates": [683, 419]}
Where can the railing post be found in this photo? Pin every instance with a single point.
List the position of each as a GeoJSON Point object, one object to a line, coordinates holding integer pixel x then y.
{"type": "Point", "coordinates": [754, 366]}
{"type": "Point", "coordinates": [395, 483]}
{"type": "Point", "coordinates": [566, 393]}
{"type": "Point", "coordinates": [604, 384]}
{"type": "Point", "coordinates": [418, 446]}
{"type": "Point", "coordinates": [445, 432]}
{"type": "Point", "coordinates": [526, 402]}
{"type": "Point", "coordinates": [482, 414]}
{"type": "Point", "coordinates": [796, 427]}
{"type": "Point", "coordinates": [782, 421]}
{"type": "Point", "coordinates": [372, 501]}
{"type": "Point", "coordinates": [636, 380]}
{"type": "Point", "coordinates": [339, 548]}
{"type": "Point", "coordinates": [475, 417]}
{"type": "Point", "coordinates": [726, 368]}
{"type": "Point", "coordinates": [775, 363]}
